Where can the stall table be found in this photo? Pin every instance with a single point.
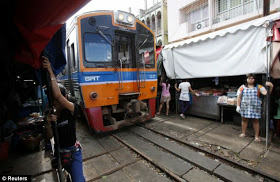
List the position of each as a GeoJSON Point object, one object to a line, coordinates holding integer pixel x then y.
{"type": "Point", "coordinates": [205, 106]}
{"type": "Point", "coordinates": [222, 107]}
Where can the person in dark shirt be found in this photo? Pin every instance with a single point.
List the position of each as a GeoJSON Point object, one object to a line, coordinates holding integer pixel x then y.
{"type": "Point", "coordinates": [65, 116]}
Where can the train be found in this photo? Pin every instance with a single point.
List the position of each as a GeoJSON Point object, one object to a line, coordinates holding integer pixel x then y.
{"type": "Point", "coordinates": [111, 69]}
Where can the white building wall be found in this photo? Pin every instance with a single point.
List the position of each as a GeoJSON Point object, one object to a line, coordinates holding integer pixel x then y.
{"type": "Point", "coordinates": [183, 21]}
{"type": "Point", "coordinates": [176, 30]}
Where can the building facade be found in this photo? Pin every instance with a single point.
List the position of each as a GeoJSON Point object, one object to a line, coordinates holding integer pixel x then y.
{"type": "Point", "coordinates": [154, 15]}
{"type": "Point", "coordinates": [191, 18]}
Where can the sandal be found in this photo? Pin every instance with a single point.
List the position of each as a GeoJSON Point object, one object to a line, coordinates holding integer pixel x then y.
{"type": "Point", "coordinates": [158, 113]}
{"type": "Point", "coordinates": [242, 135]}
{"type": "Point", "coordinates": [257, 139]}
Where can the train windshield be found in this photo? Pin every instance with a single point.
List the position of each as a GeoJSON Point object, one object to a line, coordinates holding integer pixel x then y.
{"type": "Point", "coordinates": [146, 50]}
{"type": "Point", "coordinates": [147, 53]}
{"type": "Point", "coordinates": [97, 49]}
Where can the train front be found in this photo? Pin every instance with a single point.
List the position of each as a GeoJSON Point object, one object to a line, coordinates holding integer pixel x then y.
{"type": "Point", "coordinates": [118, 75]}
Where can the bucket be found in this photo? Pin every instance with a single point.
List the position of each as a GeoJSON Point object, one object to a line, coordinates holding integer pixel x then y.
{"type": "Point", "coordinates": [4, 150]}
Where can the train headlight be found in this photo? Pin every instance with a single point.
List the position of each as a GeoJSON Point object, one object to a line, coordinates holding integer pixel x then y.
{"type": "Point", "coordinates": [121, 17]}
{"type": "Point", "coordinates": [153, 88]}
{"type": "Point", "coordinates": [130, 18]}
{"type": "Point", "coordinates": [93, 95]}
{"type": "Point", "coordinates": [124, 18]}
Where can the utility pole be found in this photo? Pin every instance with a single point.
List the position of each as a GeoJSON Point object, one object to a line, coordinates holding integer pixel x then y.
{"type": "Point", "coordinates": [266, 7]}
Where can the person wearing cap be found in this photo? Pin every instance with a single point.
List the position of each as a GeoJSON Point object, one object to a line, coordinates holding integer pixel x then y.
{"type": "Point", "coordinates": [249, 104]}
{"type": "Point", "coordinates": [65, 116]}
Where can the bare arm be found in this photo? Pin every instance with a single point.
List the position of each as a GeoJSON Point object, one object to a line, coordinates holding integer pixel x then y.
{"type": "Point", "coordinates": [270, 85]}
{"type": "Point", "coordinates": [55, 88]}
{"type": "Point", "coordinates": [48, 129]}
{"type": "Point", "coordinates": [238, 101]}
{"type": "Point", "coordinates": [177, 88]}
{"type": "Point", "coordinates": [190, 88]}
{"type": "Point", "coordinates": [160, 82]}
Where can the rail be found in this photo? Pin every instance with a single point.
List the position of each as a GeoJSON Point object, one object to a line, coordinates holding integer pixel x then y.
{"type": "Point", "coordinates": [215, 156]}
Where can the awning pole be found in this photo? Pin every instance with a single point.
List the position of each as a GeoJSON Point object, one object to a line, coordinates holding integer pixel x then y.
{"type": "Point", "coordinates": [267, 46]}
{"type": "Point", "coordinates": [176, 93]}
{"type": "Point", "coordinates": [267, 99]}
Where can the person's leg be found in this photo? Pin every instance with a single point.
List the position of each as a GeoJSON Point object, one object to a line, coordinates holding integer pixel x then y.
{"type": "Point", "coordinates": [160, 108]}
{"type": "Point", "coordinates": [182, 109]}
{"type": "Point", "coordinates": [186, 106]}
{"type": "Point", "coordinates": [256, 126]}
{"type": "Point", "coordinates": [182, 106]}
{"type": "Point", "coordinates": [167, 107]}
{"type": "Point", "coordinates": [76, 169]}
{"type": "Point", "coordinates": [244, 126]}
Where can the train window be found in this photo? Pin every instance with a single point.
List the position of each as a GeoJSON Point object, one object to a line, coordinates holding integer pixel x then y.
{"type": "Point", "coordinates": [97, 49]}
{"type": "Point", "coordinates": [147, 53]}
{"type": "Point", "coordinates": [124, 48]}
{"type": "Point", "coordinates": [74, 65]}
{"type": "Point", "coordinates": [145, 46]}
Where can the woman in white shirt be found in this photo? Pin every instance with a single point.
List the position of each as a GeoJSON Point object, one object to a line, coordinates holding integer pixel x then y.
{"type": "Point", "coordinates": [185, 88]}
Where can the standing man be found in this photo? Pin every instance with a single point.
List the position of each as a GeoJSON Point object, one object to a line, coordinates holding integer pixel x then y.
{"type": "Point", "coordinates": [65, 116]}
{"type": "Point", "coordinates": [185, 88]}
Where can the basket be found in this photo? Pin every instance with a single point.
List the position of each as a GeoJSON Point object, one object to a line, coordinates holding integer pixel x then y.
{"type": "Point", "coordinates": [31, 142]}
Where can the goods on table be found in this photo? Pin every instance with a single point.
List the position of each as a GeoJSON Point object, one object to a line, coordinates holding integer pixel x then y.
{"type": "Point", "coordinates": [231, 101]}
{"type": "Point", "coordinates": [210, 91]}
{"type": "Point", "coordinates": [222, 100]}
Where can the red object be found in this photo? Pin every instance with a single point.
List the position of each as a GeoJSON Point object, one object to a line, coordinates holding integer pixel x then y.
{"type": "Point", "coordinates": [147, 57]}
{"type": "Point", "coordinates": [95, 119]}
{"type": "Point", "coordinates": [152, 107]}
{"type": "Point", "coordinates": [37, 22]}
{"type": "Point", "coordinates": [4, 150]}
{"type": "Point", "coordinates": [158, 50]}
{"type": "Point", "coordinates": [276, 32]}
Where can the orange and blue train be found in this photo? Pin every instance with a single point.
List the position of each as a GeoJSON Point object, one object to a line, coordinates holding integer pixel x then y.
{"type": "Point", "coordinates": [111, 69]}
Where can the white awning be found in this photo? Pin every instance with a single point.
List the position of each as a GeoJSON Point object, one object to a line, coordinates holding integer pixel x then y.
{"type": "Point", "coordinates": [233, 51]}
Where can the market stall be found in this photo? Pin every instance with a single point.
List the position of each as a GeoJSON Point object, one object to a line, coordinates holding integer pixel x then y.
{"type": "Point", "coordinates": [235, 51]}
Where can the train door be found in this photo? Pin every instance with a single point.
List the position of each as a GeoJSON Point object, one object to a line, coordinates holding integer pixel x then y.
{"type": "Point", "coordinates": [125, 55]}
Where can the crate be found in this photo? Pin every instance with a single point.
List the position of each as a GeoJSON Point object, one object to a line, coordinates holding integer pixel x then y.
{"type": "Point", "coordinates": [231, 94]}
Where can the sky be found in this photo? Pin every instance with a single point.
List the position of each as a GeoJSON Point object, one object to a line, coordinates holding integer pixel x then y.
{"type": "Point", "coordinates": [110, 5]}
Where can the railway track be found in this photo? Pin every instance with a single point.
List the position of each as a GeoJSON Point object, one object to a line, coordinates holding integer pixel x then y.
{"type": "Point", "coordinates": [108, 152]}
{"type": "Point", "coordinates": [177, 160]}
{"type": "Point", "coordinates": [221, 158]}
{"type": "Point", "coordinates": [146, 141]}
